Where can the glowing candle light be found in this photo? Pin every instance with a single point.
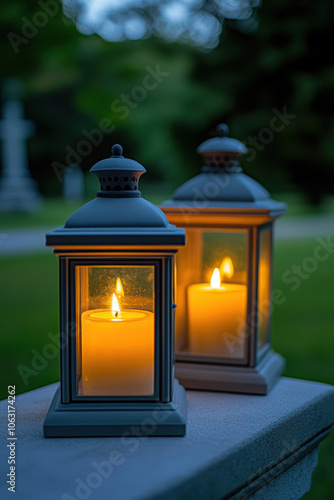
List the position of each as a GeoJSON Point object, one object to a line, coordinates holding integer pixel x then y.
{"type": "Point", "coordinates": [215, 279]}
{"type": "Point", "coordinates": [115, 309]}
{"type": "Point", "coordinates": [215, 311]}
{"type": "Point", "coordinates": [117, 350]}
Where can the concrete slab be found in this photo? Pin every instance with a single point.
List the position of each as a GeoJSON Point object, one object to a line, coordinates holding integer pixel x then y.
{"type": "Point", "coordinates": [236, 446]}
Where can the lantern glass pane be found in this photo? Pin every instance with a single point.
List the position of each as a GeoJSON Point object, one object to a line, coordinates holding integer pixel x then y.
{"type": "Point", "coordinates": [115, 330]}
{"type": "Point", "coordinates": [264, 288]}
{"type": "Point", "coordinates": [212, 294]}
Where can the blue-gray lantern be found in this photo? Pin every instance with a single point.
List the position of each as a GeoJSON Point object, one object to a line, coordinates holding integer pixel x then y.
{"type": "Point", "coordinates": [223, 318]}
{"type": "Point", "coordinates": [116, 256]}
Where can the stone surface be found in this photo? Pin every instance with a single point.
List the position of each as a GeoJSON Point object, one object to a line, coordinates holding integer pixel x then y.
{"type": "Point", "coordinates": [292, 484]}
{"type": "Point", "coordinates": [236, 446]}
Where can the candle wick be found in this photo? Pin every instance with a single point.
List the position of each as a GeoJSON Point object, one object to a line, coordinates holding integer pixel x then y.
{"type": "Point", "coordinates": [116, 314]}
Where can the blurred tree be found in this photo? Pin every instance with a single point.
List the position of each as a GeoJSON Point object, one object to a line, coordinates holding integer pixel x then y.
{"type": "Point", "coordinates": [85, 92]}
{"type": "Point", "coordinates": [271, 80]}
{"type": "Point", "coordinates": [39, 46]}
{"type": "Point", "coordinates": [197, 22]}
{"type": "Point", "coordinates": [285, 65]}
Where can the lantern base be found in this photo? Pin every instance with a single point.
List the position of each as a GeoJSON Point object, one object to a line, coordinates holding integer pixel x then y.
{"type": "Point", "coordinates": [127, 420]}
{"type": "Point", "coordinates": [244, 379]}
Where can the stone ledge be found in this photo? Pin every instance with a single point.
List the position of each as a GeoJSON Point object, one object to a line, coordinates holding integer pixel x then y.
{"type": "Point", "coordinates": [236, 447]}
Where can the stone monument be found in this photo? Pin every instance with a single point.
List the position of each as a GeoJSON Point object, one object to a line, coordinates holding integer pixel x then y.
{"type": "Point", "coordinates": [18, 191]}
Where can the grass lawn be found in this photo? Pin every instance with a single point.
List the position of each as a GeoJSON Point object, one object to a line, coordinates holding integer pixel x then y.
{"type": "Point", "coordinates": [302, 328]}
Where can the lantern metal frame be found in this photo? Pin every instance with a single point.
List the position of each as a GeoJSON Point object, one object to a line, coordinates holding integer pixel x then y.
{"type": "Point", "coordinates": [236, 202]}
{"type": "Point", "coordinates": [117, 228]}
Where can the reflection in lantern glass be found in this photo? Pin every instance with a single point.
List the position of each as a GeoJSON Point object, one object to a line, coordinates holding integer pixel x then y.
{"type": "Point", "coordinates": [119, 287]}
{"type": "Point", "coordinates": [212, 275]}
{"type": "Point", "coordinates": [227, 268]}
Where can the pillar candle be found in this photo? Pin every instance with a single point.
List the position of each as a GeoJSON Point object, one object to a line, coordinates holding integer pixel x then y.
{"type": "Point", "coordinates": [117, 352]}
{"type": "Point", "coordinates": [214, 315]}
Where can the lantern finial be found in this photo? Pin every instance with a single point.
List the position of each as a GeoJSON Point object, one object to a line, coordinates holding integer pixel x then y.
{"type": "Point", "coordinates": [117, 150]}
{"type": "Point", "coordinates": [222, 130]}
{"type": "Point", "coordinates": [221, 153]}
{"type": "Point", "coordinates": [118, 203]}
{"type": "Point", "coordinates": [118, 176]}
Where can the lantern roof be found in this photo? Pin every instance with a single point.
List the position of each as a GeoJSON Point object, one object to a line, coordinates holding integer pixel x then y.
{"type": "Point", "coordinates": [118, 215]}
{"type": "Point", "coordinates": [222, 183]}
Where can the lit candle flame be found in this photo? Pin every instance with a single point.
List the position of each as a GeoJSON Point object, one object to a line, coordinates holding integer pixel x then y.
{"type": "Point", "coordinates": [215, 279]}
{"type": "Point", "coordinates": [119, 288]}
{"type": "Point", "coordinates": [115, 309]}
{"type": "Point", "coordinates": [227, 268]}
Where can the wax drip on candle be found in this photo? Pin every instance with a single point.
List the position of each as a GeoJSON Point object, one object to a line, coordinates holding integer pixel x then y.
{"type": "Point", "coordinates": [115, 309]}
{"type": "Point", "coordinates": [227, 268]}
{"type": "Point", "coordinates": [215, 279]}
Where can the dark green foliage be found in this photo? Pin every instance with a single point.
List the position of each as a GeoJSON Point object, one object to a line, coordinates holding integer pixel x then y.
{"type": "Point", "coordinates": [72, 80]}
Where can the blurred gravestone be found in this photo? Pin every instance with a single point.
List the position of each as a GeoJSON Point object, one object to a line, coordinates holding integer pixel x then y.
{"type": "Point", "coordinates": [73, 189]}
{"type": "Point", "coordinates": [18, 191]}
